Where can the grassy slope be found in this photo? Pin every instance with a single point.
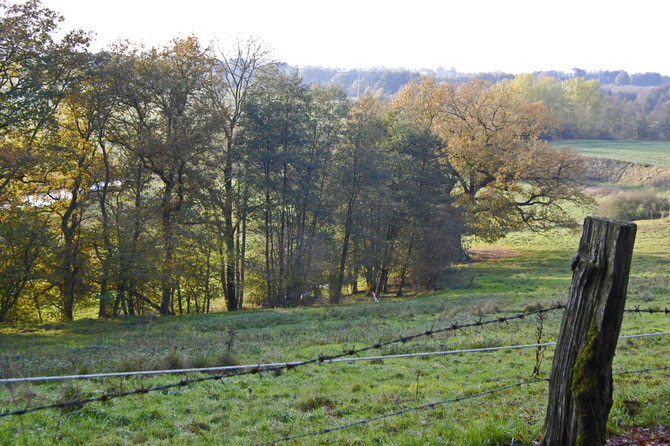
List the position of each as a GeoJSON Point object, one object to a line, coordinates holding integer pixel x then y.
{"type": "Point", "coordinates": [248, 409]}
{"type": "Point", "coordinates": [649, 152]}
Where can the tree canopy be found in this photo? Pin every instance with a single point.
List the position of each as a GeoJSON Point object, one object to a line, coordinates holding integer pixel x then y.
{"type": "Point", "coordinates": [136, 180]}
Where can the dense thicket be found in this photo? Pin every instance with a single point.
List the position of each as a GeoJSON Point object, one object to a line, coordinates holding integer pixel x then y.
{"type": "Point", "coordinates": [136, 180]}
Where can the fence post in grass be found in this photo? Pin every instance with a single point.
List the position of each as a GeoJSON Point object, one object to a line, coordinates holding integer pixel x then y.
{"type": "Point", "coordinates": [580, 387]}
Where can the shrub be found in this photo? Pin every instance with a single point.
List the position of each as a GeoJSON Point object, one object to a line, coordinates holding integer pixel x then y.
{"type": "Point", "coordinates": [634, 205]}
{"type": "Point", "coordinates": [662, 182]}
{"type": "Point", "coordinates": [173, 359]}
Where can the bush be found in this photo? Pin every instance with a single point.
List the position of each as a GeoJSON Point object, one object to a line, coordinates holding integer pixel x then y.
{"type": "Point", "coordinates": [662, 182]}
{"type": "Point", "coordinates": [634, 205]}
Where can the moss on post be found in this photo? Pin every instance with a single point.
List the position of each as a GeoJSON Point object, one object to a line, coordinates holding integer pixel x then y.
{"type": "Point", "coordinates": [585, 391]}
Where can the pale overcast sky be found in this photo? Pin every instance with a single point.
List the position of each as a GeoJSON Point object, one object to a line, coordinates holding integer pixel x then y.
{"type": "Point", "coordinates": [472, 36]}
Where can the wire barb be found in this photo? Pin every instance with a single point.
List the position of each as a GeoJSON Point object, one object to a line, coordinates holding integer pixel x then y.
{"type": "Point", "coordinates": [638, 310]}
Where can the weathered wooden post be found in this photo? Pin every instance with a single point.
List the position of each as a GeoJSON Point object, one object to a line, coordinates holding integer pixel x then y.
{"type": "Point", "coordinates": [580, 389]}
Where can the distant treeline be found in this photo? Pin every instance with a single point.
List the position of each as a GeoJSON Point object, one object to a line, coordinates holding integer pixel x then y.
{"type": "Point", "coordinates": [384, 81]}
{"type": "Point", "coordinates": [389, 81]}
{"type": "Point", "coordinates": [591, 105]}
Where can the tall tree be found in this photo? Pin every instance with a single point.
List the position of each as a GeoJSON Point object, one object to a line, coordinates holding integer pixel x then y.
{"type": "Point", "coordinates": [359, 168]}
{"type": "Point", "coordinates": [174, 126]}
{"type": "Point", "coordinates": [276, 139]}
{"type": "Point", "coordinates": [36, 70]}
{"type": "Point", "coordinates": [237, 71]}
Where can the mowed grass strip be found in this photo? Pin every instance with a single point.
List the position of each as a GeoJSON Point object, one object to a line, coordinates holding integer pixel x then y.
{"type": "Point", "coordinates": [647, 152]}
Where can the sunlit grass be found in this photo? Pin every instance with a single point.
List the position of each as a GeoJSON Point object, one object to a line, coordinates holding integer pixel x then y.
{"type": "Point", "coordinates": [255, 408]}
{"type": "Point", "coordinates": [649, 152]}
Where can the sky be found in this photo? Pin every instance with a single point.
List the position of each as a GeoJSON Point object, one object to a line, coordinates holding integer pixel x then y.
{"type": "Point", "coordinates": [513, 36]}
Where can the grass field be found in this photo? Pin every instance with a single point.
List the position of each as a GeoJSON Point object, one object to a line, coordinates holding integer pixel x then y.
{"type": "Point", "coordinates": [648, 152]}
{"type": "Point", "coordinates": [530, 269]}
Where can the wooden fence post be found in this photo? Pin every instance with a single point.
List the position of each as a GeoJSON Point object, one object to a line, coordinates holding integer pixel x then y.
{"type": "Point", "coordinates": [580, 387]}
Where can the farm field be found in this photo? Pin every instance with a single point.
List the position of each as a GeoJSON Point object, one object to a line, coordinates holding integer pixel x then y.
{"type": "Point", "coordinates": [647, 152]}
{"type": "Point", "coordinates": [523, 270]}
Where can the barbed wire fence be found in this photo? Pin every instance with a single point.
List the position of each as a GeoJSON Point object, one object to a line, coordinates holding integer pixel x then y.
{"type": "Point", "coordinates": [433, 406]}
{"type": "Point", "coordinates": [348, 355]}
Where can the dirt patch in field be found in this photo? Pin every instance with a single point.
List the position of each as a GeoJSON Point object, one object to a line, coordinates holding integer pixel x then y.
{"type": "Point", "coordinates": [614, 171]}
{"type": "Point", "coordinates": [488, 254]}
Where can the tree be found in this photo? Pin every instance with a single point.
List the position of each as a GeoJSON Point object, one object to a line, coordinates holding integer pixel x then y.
{"type": "Point", "coordinates": [171, 128]}
{"type": "Point", "coordinates": [359, 168]}
{"type": "Point", "coordinates": [237, 72]}
{"type": "Point", "coordinates": [76, 153]}
{"type": "Point", "coordinates": [35, 72]}
{"type": "Point", "coordinates": [505, 176]}
{"type": "Point", "coordinates": [276, 138]}
{"type": "Point", "coordinates": [25, 239]}
{"type": "Point", "coordinates": [585, 108]}
{"type": "Point", "coordinates": [430, 225]}
{"type": "Point", "coordinates": [622, 78]}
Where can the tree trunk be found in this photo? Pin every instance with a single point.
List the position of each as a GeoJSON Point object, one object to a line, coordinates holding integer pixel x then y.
{"type": "Point", "coordinates": [337, 292]}
{"type": "Point", "coordinates": [208, 272]}
{"type": "Point", "coordinates": [229, 231]}
{"type": "Point", "coordinates": [181, 309]}
{"type": "Point", "coordinates": [405, 263]}
{"type": "Point", "coordinates": [70, 266]}
{"type": "Point", "coordinates": [104, 310]}
{"type": "Point", "coordinates": [580, 389]}
{"type": "Point", "coordinates": [166, 281]}
{"type": "Point", "coordinates": [240, 301]}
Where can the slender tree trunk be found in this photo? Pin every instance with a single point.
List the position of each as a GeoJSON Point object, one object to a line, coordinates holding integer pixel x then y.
{"type": "Point", "coordinates": [104, 310]}
{"type": "Point", "coordinates": [229, 231]}
{"type": "Point", "coordinates": [207, 279]}
{"type": "Point", "coordinates": [403, 273]}
{"type": "Point", "coordinates": [337, 292]}
{"type": "Point", "coordinates": [181, 309]}
{"type": "Point", "coordinates": [243, 253]}
{"type": "Point", "coordinates": [120, 297]}
{"type": "Point", "coordinates": [280, 254]}
{"type": "Point", "coordinates": [36, 300]}
{"type": "Point", "coordinates": [126, 281]}
{"type": "Point", "coordinates": [70, 268]}
{"type": "Point", "coordinates": [268, 239]}
{"type": "Point", "coordinates": [166, 281]}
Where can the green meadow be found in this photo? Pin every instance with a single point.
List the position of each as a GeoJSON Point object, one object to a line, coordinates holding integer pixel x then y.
{"type": "Point", "coordinates": [523, 270]}
{"type": "Point", "coordinates": [647, 152]}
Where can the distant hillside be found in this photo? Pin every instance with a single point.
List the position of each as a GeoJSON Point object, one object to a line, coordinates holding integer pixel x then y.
{"type": "Point", "coordinates": [388, 81]}
{"type": "Point", "coordinates": [385, 82]}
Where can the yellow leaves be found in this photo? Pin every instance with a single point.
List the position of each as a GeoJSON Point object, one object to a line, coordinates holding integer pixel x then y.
{"type": "Point", "coordinates": [576, 103]}
{"type": "Point", "coordinates": [423, 100]}
{"type": "Point", "coordinates": [507, 176]}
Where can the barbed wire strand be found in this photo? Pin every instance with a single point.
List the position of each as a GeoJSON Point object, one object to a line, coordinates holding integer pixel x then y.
{"type": "Point", "coordinates": [378, 345]}
{"type": "Point", "coordinates": [637, 309]}
{"type": "Point", "coordinates": [266, 366]}
{"type": "Point", "coordinates": [430, 406]}
{"type": "Point", "coordinates": [109, 396]}
{"type": "Point", "coordinates": [630, 372]}
{"type": "Point", "coordinates": [400, 412]}
{"type": "Point", "coordinates": [278, 369]}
